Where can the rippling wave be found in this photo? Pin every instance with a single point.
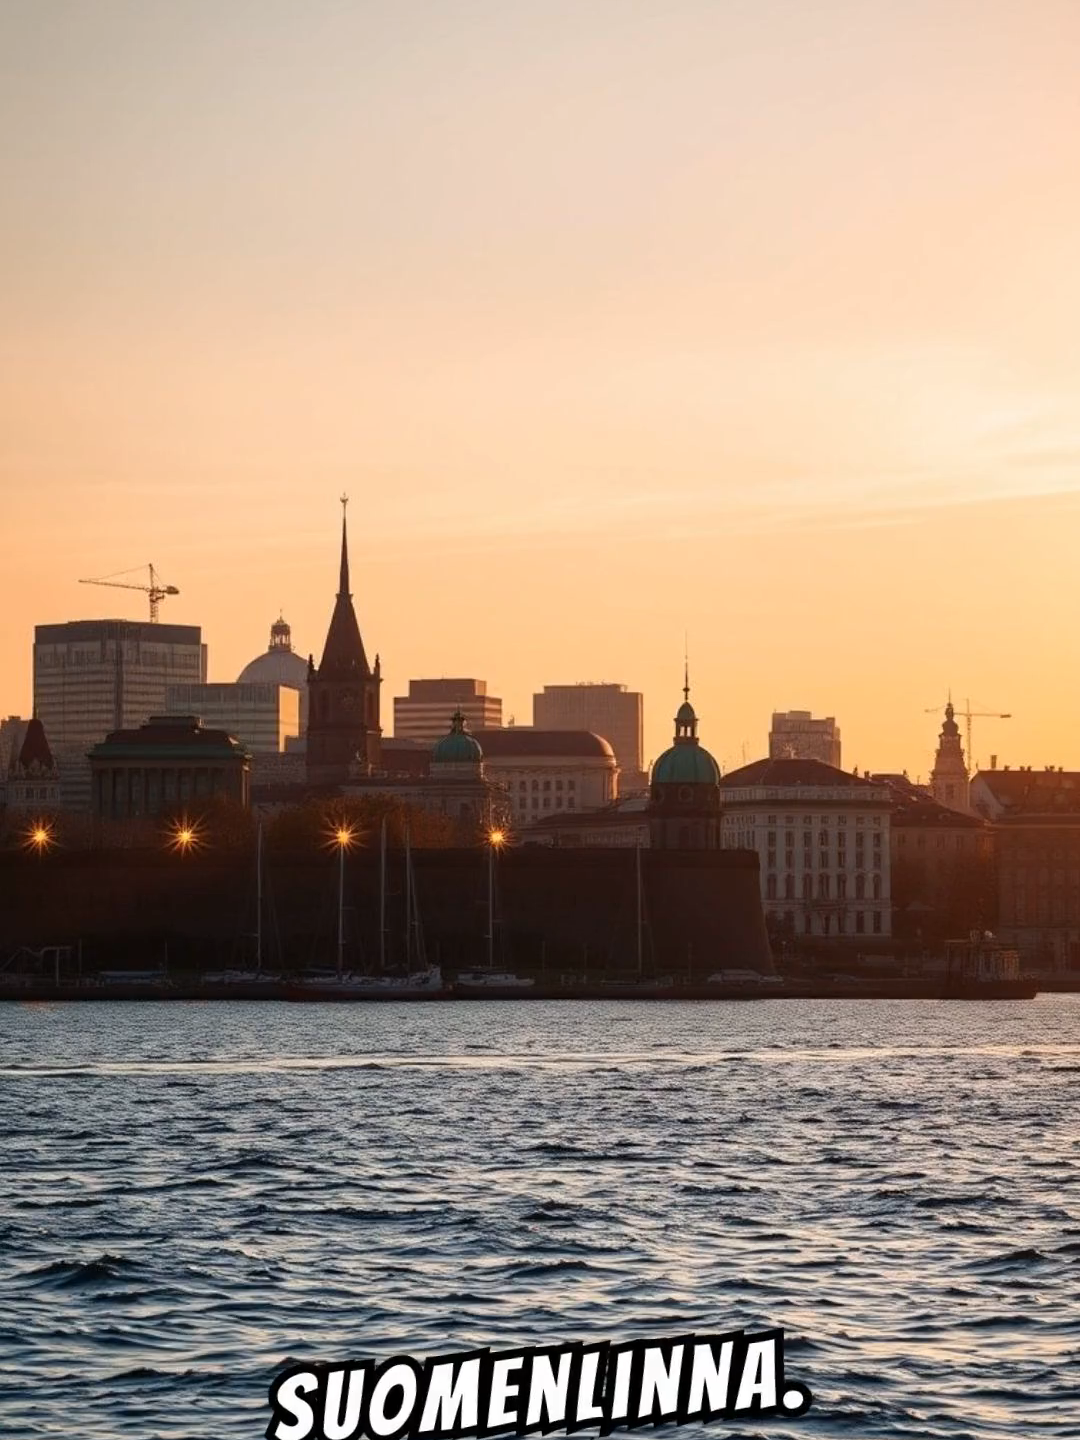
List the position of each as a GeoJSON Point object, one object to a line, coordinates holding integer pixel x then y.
{"type": "Point", "coordinates": [192, 1196]}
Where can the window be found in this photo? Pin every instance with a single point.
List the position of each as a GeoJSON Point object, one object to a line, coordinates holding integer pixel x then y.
{"type": "Point", "coordinates": [772, 838]}
{"type": "Point", "coordinates": [536, 784]}
{"type": "Point", "coordinates": [772, 860]}
{"type": "Point", "coordinates": [877, 922]}
{"type": "Point", "coordinates": [808, 925]}
{"type": "Point", "coordinates": [877, 819]}
{"type": "Point", "coordinates": [770, 888]}
{"type": "Point", "coordinates": [521, 784]}
{"type": "Point", "coordinates": [860, 887]}
{"type": "Point", "coordinates": [772, 819]}
{"type": "Point", "coordinates": [789, 887]}
{"type": "Point", "coordinates": [823, 837]}
{"type": "Point", "coordinates": [840, 926]}
{"type": "Point", "coordinates": [877, 838]}
{"type": "Point", "coordinates": [547, 802]}
{"type": "Point", "coordinates": [823, 860]}
{"type": "Point", "coordinates": [789, 839]}
{"type": "Point", "coordinates": [789, 859]}
{"type": "Point", "coordinates": [547, 784]}
{"type": "Point", "coordinates": [877, 887]}
{"type": "Point", "coordinates": [571, 784]}
{"type": "Point", "coordinates": [558, 784]}
{"type": "Point", "coordinates": [807, 887]}
{"type": "Point", "coordinates": [859, 820]}
{"type": "Point", "coordinates": [860, 922]}
{"type": "Point", "coordinates": [807, 839]}
{"type": "Point", "coordinates": [841, 887]}
{"type": "Point", "coordinates": [877, 860]}
{"type": "Point", "coordinates": [823, 887]}
{"type": "Point", "coordinates": [825, 924]}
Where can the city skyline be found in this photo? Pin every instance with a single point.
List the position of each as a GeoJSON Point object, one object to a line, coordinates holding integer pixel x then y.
{"type": "Point", "coordinates": [616, 324]}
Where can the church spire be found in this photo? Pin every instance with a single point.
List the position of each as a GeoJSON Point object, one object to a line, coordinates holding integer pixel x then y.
{"type": "Point", "coordinates": [343, 584]}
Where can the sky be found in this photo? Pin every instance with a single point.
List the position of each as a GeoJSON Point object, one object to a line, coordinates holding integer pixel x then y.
{"type": "Point", "coordinates": [754, 322]}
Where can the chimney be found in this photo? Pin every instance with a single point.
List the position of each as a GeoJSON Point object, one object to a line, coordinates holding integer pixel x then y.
{"type": "Point", "coordinates": [993, 762]}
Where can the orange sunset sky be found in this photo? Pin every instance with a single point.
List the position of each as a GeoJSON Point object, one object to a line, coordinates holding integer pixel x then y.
{"type": "Point", "coordinates": [754, 319]}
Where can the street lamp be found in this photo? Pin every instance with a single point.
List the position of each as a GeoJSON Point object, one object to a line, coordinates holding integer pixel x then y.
{"type": "Point", "coordinates": [342, 837]}
{"type": "Point", "coordinates": [496, 839]}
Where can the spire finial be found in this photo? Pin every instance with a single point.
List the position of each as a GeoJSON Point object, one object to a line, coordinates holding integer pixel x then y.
{"type": "Point", "coordinates": [686, 666]}
{"type": "Point", "coordinates": [343, 583]}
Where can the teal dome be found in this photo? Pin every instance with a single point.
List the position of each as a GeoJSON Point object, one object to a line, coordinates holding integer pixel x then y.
{"type": "Point", "coordinates": [686, 763]}
{"type": "Point", "coordinates": [458, 747]}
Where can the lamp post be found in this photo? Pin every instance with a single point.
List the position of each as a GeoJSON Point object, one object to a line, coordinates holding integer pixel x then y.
{"type": "Point", "coordinates": [496, 840]}
{"type": "Point", "coordinates": [343, 839]}
{"type": "Point", "coordinates": [183, 837]}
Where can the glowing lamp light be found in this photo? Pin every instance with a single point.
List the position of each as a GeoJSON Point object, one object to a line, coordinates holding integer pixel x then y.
{"type": "Point", "coordinates": [184, 837]}
{"type": "Point", "coordinates": [39, 837]}
{"type": "Point", "coordinates": [496, 838]}
{"type": "Point", "coordinates": [341, 836]}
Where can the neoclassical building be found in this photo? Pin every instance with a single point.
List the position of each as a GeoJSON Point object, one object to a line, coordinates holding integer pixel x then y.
{"type": "Point", "coordinates": [822, 838]}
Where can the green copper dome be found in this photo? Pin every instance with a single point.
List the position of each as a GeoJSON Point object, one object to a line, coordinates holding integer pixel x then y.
{"type": "Point", "coordinates": [687, 762]}
{"type": "Point", "coordinates": [458, 747]}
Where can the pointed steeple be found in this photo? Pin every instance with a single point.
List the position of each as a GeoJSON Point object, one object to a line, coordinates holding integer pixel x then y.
{"type": "Point", "coordinates": [343, 654]}
{"type": "Point", "coordinates": [343, 584]}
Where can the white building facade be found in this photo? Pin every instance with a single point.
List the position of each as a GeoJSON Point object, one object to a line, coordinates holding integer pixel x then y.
{"type": "Point", "coordinates": [544, 772]}
{"type": "Point", "coordinates": [822, 839]}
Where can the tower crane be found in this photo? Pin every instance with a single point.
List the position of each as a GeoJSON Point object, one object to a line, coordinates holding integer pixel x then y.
{"type": "Point", "coordinates": [155, 590]}
{"type": "Point", "coordinates": [967, 715]}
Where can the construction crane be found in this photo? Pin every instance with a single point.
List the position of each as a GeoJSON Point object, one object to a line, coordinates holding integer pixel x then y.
{"type": "Point", "coordinates": [156, 591]}
{"type": "Point", "coordinates": [967, 715]}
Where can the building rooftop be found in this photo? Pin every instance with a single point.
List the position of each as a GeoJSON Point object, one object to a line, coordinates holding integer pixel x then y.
{"type": "Point", "coordinates": [789, 772]}
{"type": "Point", "coordinates": [524, 741]}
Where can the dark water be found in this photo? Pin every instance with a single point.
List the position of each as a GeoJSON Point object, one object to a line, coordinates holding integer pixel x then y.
{"type": "Point", "coordinates": [193, 1194]}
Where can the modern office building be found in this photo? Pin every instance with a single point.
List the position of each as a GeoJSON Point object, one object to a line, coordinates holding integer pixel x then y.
{"type": "Point", "coordinates": [796, 735]}
{"type": "Point", "coordinates": [262, 717]}
{"type": "Point", "coordinates": [95, 676]}
{"type": "Point", "coordinates": [604, 709]}
{"type": "Point", "coordinates": [425, 712]}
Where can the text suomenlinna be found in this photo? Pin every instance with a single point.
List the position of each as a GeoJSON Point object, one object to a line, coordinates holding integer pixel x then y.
{"type": "Point", "coordinates": [568, 1388]}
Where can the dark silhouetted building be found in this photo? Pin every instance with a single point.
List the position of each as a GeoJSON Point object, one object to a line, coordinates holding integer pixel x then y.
{"type": "Point", "coordinates": [33, 780]}
{"type": "Point", "coordinates": [169, 764]}
{"type": "Point", "coordinates": [344, 734]}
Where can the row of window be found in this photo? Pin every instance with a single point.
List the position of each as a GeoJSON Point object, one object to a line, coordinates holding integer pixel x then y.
{"type": "Point", "coordinates": [809, 819]}
{"type": "Point", "coordinates": [536, 785]}
{"type": "Point", "coordinates": [823, 839]}
{"type": "Point", "coordinates": [823, 859]}
{"type": "Point", "coordinates": [824, 887]}
{"type": "Point", "coordinates": [567, 802]}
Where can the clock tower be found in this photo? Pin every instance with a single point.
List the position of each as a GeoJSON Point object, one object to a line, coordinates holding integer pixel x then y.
{"type": "Point", "coordinates": [343, 731]}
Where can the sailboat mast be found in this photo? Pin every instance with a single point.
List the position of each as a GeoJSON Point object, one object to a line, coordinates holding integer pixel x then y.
{"type": "Point", "coordinates": [382, 895]}
{"type": "Point", "coordinates": [640, 927]}
{"type": "Point", "coordinates": [408, 900]}
{"type": "Point", "coordinates": [258, 897]}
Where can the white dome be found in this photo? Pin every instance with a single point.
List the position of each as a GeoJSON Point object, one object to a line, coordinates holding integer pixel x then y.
{"type": "Point", "coordinates": [279, 664]}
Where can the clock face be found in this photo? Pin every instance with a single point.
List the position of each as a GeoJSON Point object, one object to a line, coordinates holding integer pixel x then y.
{"type": "Point", "coordinates": [349, 700]}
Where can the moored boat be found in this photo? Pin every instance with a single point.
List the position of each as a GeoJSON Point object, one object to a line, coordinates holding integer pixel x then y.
{"type": "Point", "coordinates": [982, 968]}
